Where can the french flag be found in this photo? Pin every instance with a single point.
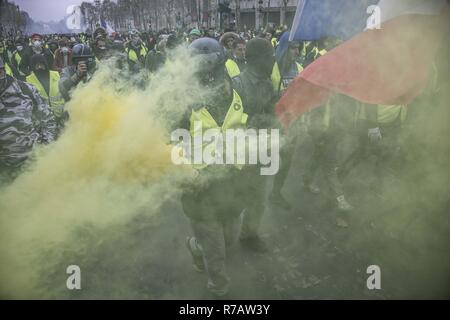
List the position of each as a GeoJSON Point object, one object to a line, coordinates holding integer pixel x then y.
{"type": "Point", "coordinates": [105, 25]}
{"type": "Point", "coordinates": [386, 58]}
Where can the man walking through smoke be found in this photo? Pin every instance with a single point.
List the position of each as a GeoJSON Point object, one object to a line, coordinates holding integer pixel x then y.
{"type": "Point", "coordinates": [106, 195]}
{"type": "Point", "coordinates": [213, 217]}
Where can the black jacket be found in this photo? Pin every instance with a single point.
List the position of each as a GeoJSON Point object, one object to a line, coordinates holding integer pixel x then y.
{"type": "Point", "coordinates": [258, 98]}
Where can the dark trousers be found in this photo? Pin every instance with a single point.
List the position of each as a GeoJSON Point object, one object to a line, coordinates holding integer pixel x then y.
{"type": "Point", "coordinates": [254, 197]}
{"type": "Point", "coordinates": [385, 151]}
{"type": "Point", "coordinates": [324, 157]}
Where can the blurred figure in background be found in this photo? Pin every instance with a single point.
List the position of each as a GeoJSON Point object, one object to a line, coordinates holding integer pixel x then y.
{"type": "Point", "coordinates": [237, 63]}
{"type": "Point", "coordinates": [63, 55]}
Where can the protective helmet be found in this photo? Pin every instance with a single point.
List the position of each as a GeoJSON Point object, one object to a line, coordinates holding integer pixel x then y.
{"type": "Point", "coordinates": [208, 48]}
{"type": "Point", "coordinates": [211, 64]}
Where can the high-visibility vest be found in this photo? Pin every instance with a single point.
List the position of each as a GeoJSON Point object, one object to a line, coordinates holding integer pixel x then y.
{"type": "Point", "coordinates": [133, 56]}
{"type": "Point", "coordinates": [234, 119]}
{"type": "Point", "coordinates": [54, 98]}
{"type": "Point", "coordinates": [232, 68]}
{"type": "Point", "coordinates": [18, 58]}
{"type": "Point", "coordinates": [277, 82]}
{"type": "Point", "coordinates": [274, 42]}
{"type": "Point", "coordinates": [8, 70]}
{"type": "Point", "coordinates": [305, 48]}
{"type": "Point", "coordinates": [318, 53]}
{"type": "Point", "coordinates": [389, 113]}
{"type": "Point", "coordinates": [385, 113]}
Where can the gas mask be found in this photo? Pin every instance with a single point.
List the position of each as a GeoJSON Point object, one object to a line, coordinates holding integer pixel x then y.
{"type": "Point", "coordinates": [211, 70]}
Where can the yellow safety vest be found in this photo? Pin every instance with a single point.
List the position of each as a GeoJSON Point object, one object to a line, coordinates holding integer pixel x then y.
{"type": "Point", "coordinates": [276, 77]}
{"type": "Point", "coordinates": [274, 42]}
{"type": "Point", "coordinates": [55, 101]}
{"type": "Point", "coordinates": [18, 58]}
{"type": "Point", "coordinates": [318, 53]}
{"type": "Point", "coordinates": [8, 70]}
{"type": "Point", "coordinates": [133, 56]}
{"type": "Point", "coordinates": [389, 113]}
{"type": "Point", "coordinates": [234, 119]}
{"type": "Point", "coordinates": [232, 68]}
{"type": "Point", "coordinates": [305, 48]}
{"type": "Point", "coordinates": [385, 113]}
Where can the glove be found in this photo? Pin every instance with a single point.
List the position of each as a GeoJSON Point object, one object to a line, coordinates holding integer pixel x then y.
{"type": "Point", "coordinates": [375, 134]}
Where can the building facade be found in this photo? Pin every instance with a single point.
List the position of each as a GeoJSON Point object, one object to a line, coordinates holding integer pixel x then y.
{"type": "Point", "coordinates": [154, 15]}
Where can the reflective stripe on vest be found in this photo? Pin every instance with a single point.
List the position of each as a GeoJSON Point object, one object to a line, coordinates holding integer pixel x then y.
{"type": "Point", "coordinates": [8, 70]}
{"type": "Point", "coordinates": [277, 83]}
{"type": "Point", "coordinates": [18, 58]}
{"type": "Point", "coordinates": [234, 119]}
{"type": "Point", "coordinates": [55, 101]}
{"type": "Point", "coordinates": [232, 68]}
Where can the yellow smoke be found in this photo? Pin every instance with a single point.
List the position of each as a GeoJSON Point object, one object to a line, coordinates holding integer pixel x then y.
{"type": "Point", "coordinates": [112, 161]}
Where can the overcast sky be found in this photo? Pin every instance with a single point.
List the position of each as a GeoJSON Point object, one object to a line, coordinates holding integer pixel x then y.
{"type": "Point", "coordinates": [46, 10]}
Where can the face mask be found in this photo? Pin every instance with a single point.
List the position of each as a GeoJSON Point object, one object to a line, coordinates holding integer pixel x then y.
{"type": "Point", "coordinates": [37, 47]}
{"type": "Point", "coordinates": [264, 66]}
{"type": "Point", "coordinates": [64, 50]}
{"type": "Point", "coordinates": [40, 72]}
{"type": "Point", "coordinates": [19, 48]}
